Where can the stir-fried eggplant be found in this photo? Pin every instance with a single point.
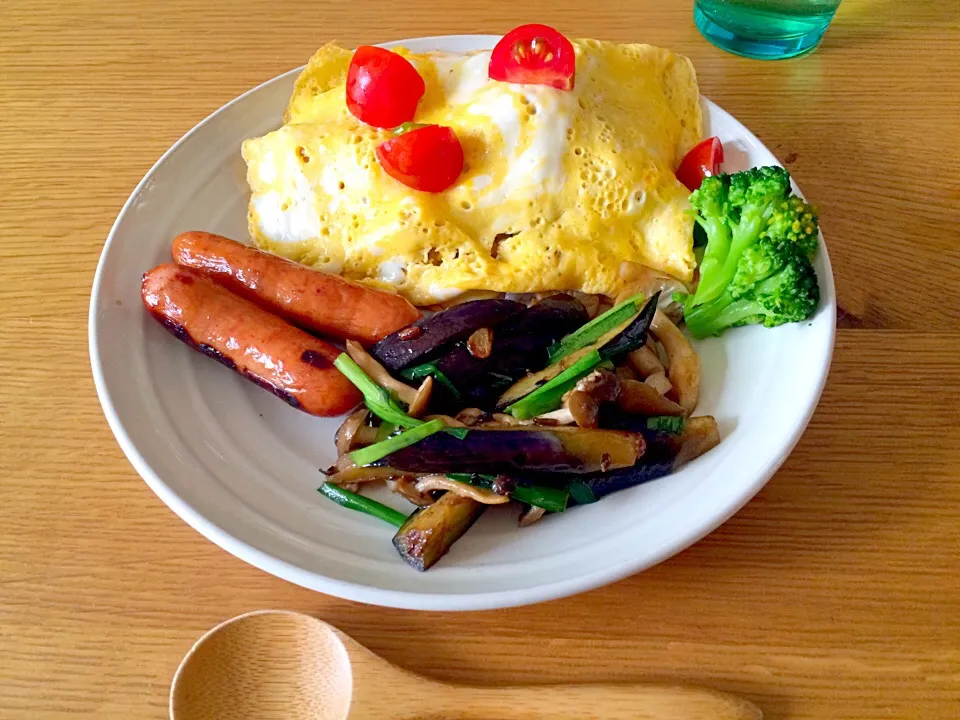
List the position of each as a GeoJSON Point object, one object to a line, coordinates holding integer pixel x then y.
{"type": "Point", "coordinates": [520, 346]}
{"type": "Point", "coordinates": [430, 531]}
{"type": "Point", "coordinates": [430, 336]}
{"type": "Point", "coordinates": [666, 453]}
{"type": "Point", "coordinates": [548, 450]}
{"type": "Point", "coordinates": [615, 343]}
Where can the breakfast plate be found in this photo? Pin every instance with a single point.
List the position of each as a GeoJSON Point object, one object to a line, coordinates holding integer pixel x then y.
{"type": "Point", "coordinates": [242, 468]}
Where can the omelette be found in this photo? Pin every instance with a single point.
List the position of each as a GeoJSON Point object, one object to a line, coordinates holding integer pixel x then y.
{"type": "Point", "coordinates": [558, 188]}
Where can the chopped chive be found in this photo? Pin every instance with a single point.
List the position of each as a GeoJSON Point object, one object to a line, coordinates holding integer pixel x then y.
{"type": "Point", "coordinates": [353, 501]}
{"type": "Point", "coordinates": [666, 423]}
{"type": "Point", "coordinates": [385, 430]}
{"type": "Point", "coordinates": [550, 499]}
{"type": "Point", "coordinates": [381, 403]}
{"type": "Point", "coordinates": [458, 432]}
{"type": "Point", "coordinates": [633, 335]}
{"type": "Point", "coordinates": [548, 396]}
{"type": "Point", "coordinates": [595, 329]}
{"type": "Point", "coordinates": [418, 372]}
{"type": "Point", "coordinates": [372, 453]}
{"type": "Point", "coordinates": [581, 492]}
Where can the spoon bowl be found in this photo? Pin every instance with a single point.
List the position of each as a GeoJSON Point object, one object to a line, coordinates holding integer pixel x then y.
{"type": "Point", "coordinates": [278, 664]}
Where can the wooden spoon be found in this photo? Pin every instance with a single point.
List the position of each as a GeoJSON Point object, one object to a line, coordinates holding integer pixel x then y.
{"type": "Point", "coordinates": [277, 665]}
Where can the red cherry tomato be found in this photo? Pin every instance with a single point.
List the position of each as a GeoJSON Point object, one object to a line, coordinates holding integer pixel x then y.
{"type": "Point", "coordinates": [701, 162]}
{"type": "Point", "coordinates": [426, 158]}
{"type": "Point", "coordinates": [534, 55]}
{"type": "Point", "coordinates": [383, 88]}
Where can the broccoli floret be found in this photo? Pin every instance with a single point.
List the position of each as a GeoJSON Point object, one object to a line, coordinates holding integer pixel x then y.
{"type": "Point", "coordinates": [744, 204]}
{"type": "Point", "coordinates": [774, 283]}
{"type": "Point", "coordinates": [760, 239]}
{"type": "Point", "coordinates": [796, 221]}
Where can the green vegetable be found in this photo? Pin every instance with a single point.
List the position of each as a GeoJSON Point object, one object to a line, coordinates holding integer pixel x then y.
{"type": "Point", "coordinates": [775, 283]}
{"type": "Point", "coordinates": [458, 432]}
{"type": "Point", "coordinates": [666, 423]}
{"type": "Point", "coordinates": [548, 396]}
{"type": "Point", "coordinates": [595, 329]}
{"type": "Point", "coordinates": [353, 501]}
{"type": "Point", "coordinates": [385, 430]}
{"type": "Point", "coordinates": [372, 453]}
{"type": "Point", "coordinates": [739, 213]}
{"type": "Point", "coordinates": [581, 492]}
{"type": "Point", "coordinates": [381, 403]}
{"type": "Point", "coordinates": [550, 499]}
{"type": "Point", "coordinates": [418, 372]}
{"type": "Point", "coordinates": [634, 335]}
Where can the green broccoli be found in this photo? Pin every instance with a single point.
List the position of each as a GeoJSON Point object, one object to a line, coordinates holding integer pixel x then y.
{"type": "Point", "coordinates": [774, 283]}
{"type": "Point", "coordinates": [745, 216]}
{"type": "Point", "coordinates": [796, 221]}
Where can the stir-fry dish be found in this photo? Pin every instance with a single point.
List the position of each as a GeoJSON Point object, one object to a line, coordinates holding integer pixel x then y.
{"type": "Point", "coordinates": [486, 263]}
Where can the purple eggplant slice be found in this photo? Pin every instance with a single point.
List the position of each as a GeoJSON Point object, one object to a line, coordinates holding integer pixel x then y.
{"type": "Point", "coordinates": [520, 346]}
{"type": "Point", "coordinates": [435, 333]}
{"type": "Point", "coordinates": [546, 450]}
{"type": "Point", "coordinates": [665, 453]}
{"type": "Point", "coordinates": [429, 532]}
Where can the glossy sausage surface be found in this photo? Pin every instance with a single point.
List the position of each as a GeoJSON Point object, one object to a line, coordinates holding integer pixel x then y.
{"type": "Point", "coordinates": [290, 363]}
{"type": "Point", "coordinates": [314, 300]}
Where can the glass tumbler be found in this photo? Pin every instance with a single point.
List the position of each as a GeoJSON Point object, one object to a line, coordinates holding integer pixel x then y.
{"type": "Point", "coordinates": [764, 29]}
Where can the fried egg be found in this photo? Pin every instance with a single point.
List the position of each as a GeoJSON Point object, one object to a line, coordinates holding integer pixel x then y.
{"type": "Point", "coordinates": [558, 187]}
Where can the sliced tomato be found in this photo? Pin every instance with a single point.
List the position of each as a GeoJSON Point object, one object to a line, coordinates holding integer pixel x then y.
{"type": "Point", "coordinates": [426, 158]}
{"type": "Point", "coordinates": [383, 88]}
{"type": "Point", "coordinates": [701, 162]}
{"type": "Point", "coordinates": [534, 55]}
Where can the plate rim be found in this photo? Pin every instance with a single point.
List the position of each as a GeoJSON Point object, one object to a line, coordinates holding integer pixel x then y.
{"type": "Point", "coordinates": [412, 600]}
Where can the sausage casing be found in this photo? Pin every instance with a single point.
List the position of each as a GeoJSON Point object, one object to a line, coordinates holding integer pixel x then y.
{"type": "Point", "coordinates": [313, 300]}
{"type": "Point", "coordinates": [290, 363]}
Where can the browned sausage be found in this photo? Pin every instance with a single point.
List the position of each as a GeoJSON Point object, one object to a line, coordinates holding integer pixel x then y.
{"type": "Point", "coordinates": [290, 363]}
{"type": "Point", "coordinates": [314, 300]}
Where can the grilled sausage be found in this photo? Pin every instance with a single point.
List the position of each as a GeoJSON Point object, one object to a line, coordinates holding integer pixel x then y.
{"type": "Point", "coordinates": [314, 300]}
{"type": "Point", "coordinates": [265, 349]}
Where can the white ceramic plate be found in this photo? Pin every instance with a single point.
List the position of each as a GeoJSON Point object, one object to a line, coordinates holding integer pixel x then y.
{"type": "Point", "coordinates": [241, 467]}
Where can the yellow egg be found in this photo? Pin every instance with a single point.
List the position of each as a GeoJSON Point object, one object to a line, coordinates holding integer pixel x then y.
{"type": "Point", "coordinates": [558, 189]}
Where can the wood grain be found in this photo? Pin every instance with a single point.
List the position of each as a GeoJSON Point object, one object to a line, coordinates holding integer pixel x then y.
{"type": "Point", "coordinates": [834, 594]}
{"type": "Point", "coordinates": [242, 670]}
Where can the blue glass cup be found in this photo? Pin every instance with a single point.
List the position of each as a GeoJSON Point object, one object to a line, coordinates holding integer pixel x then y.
{"type": "Point", "coordinates": [764, 29]}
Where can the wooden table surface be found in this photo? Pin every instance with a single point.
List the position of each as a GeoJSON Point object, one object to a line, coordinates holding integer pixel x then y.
{"type": "Point", "coordinates": [834, 594]}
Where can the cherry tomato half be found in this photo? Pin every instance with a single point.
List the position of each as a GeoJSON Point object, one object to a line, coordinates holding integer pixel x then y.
{"type": "Point", "coordinates": [383, 88]}
{"type": "Point", "coordinates": [534, 55]}
{"type": "Point", "coordinates": [701, 162]}
{"type": "Point", "coordinates": [426, 158]}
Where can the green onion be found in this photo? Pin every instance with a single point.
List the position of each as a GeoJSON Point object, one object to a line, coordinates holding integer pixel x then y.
{"type": "Point", "coordinates": [380, 402]}
{"type": "Point", "coordinates": [581, 492]}
{"type": "Point", "coordinates": [666, 423]}
{"type": "Point", "coordinates": [458, 432]}
{"type": "Point", "coordinates": [548, 396]}
{"type": "Point", "coordinates": [418, 372]}
{"type": "Point", "coordinates": [595, 329]}
{"type": "Point", "coordinates": [372, 453]}
{"type": "Point", "coordinates": [353, 501]}
{"type": "Point", "coordinates": [385, 430]}
{"type": "Point", "coordinates": [550, 499]}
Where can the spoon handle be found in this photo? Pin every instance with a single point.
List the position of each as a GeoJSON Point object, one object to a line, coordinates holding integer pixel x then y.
{"type": "Point", "coordinates": [595, 702]}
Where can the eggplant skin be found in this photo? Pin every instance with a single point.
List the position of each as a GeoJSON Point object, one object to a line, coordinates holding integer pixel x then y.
{"type": "Point", "coordinates": [656, 463]}
{"type": "Point", "coordinates": [557, 450]}
{"type": "Point", "coordinates": [439, 331]}
{"type": "Point", "coordinates": [665, 453]}
{"type": "Point", "coordinates": [520, 346]}
{"type": "Point", "coordinates": [429, 532]}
